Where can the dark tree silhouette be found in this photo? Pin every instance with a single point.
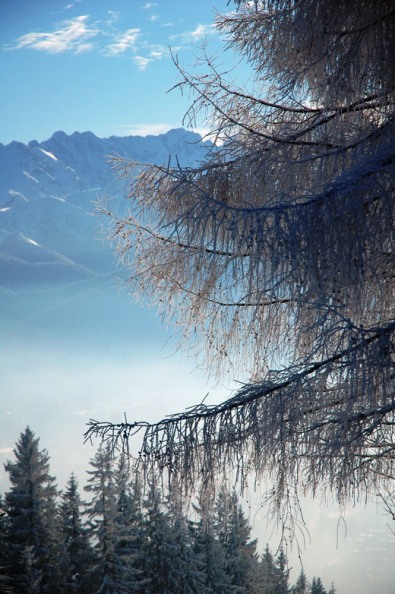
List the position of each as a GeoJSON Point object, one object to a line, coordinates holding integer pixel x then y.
{"type": "Point", "coordinates": [33, 527]}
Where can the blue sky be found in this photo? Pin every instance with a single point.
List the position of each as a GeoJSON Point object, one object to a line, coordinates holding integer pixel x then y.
{"type": "Point", "coordinates": [97, 65]}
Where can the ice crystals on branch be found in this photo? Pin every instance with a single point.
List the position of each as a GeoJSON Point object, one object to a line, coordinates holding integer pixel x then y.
{"type": "Point", "coordinates": [279, 249]}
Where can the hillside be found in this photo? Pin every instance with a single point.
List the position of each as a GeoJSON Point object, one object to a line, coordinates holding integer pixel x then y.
{"type": "Point", "coordinates": [48, 231]}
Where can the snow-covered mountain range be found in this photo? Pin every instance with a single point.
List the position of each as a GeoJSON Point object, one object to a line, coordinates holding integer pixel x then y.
{"type": "Point", "coordinates": [48, 231]}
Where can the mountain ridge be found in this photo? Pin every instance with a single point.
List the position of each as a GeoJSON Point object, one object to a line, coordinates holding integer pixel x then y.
{"type": "Point", "coordinates": [48, 190]}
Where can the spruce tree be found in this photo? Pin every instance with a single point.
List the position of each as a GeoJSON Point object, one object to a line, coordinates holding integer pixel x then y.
{"type": "Point", "coordinates": [5, 581]}
{"type": "Point", "coordinates": [157, 557]}
{"type": "Point", "coordinates": [31, 576]}
{"type": "Point", "coordinates": [158, 550]}
{"type": "Point", "coordinates": [130, 533]}
{"type": "Point", "coordinates": [102, 520]}
{"type": "Point", "coordinates": [76, 550]}
{"type": "Point", "coordinates": [234, 534]}
{"type": "Point", "coordinates": [268, 571]}
{"type": "Point", "coordinates": [301, 585]}
{"type": "Point", "coordinates": [209, 552]}
{"type": "Point", "coordinates": [33, 533]}
{"type": "Point", "coordinates": [187, 575]}
{"type": "Point", "coordinates": [317, 586]}
{"type": "Point", "coordinates": [282, 571]}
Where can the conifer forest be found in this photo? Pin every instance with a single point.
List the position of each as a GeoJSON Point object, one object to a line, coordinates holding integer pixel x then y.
{"type": "Point", "coordinates": [117, 538]}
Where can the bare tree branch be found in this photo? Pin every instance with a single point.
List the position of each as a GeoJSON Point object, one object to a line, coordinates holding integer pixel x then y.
{"type": "Point", "coordinates": [278, 252]}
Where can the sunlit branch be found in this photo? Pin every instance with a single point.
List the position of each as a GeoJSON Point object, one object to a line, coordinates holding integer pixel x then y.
{"type": "Point", "coordinates": [278, 249]}
{"type": "Point", "coordinates": [248, 394]}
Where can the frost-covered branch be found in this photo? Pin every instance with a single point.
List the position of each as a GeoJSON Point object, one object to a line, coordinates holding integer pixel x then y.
{"type": "Point", "coordinates": [278, 252]}
{"type": "Point", "coordinates": [192, 237]}
{"type": "Point", "coordinates": [301, 425]}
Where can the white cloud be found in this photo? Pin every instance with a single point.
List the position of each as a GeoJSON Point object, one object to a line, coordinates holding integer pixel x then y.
{"type": "Point", "coordinates": [155, 129]}
{"type": "Point", "coordinates": [71, 36]}
{"type": "Point", "coordinates": [149, 5]}
{"type": "Point", "coordinates": [71, 5]}
{"type": "Point", "coordinates": [202, 30]}
{"type": "Point", "coordinates": [197, 33]}
{"type": "Point", "coordinates": [146, 129]}
{"type": "Point", "coordinates": [141, 62]}
{"type": "Point", "coordinates": [153, 53]}
{"type": "Point", "coordinates": [157, 54]}
{"type": "Point", "coordinates": [82, 34]}
{"type": "Point", "coordinates": [124, 42]}
{"type": "Point", "coordinates": [84, 47]}
{"type": "Point", "coordinates": [113, 17]}
{"type": "Point", "coordinates": [75, 35]}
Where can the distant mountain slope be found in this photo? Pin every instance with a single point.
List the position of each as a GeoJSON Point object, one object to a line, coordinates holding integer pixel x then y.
{"type": "Point", "coordinates": [24, 261]}
{"type": "Point", "coordinates": [47, 191]}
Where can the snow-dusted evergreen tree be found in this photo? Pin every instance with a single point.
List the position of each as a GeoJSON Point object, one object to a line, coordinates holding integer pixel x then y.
{"type": "Point", "coordinates": [274, 573]}
{"type": "Point", "coordinates": [269, 575]}
{"type": "Point", "coordinates": [158, 549]}
{"type": "Point", "coordinates": [282, 571]}
{"type": "Point", "coordinates": [301, 585]}
{"type": "Point", "coordinates": [130, 530]}
{"type": "Point", "coordinates": [77, 555]}
{"type": "Point", "coordinates": [317, 586]}
{"type": "Point", "coordinates": [234, 534]}
{"type": "Point", "coordinates": [209, 552]}
{"type": "Point", "coordinates": [135, 546]}
{"type": "Point", "coordinates": [279, 249]}
{"type": "Point", "coordinates": [108, 572]}
{"type": "Point", "coordinates": [30, 579]}
{"type": "Point", "coordinates": [188, 574]}
{"type": "Point", "coordinates": [33, 527]}
{"type": "Point", "coordinates": [5, 559]}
